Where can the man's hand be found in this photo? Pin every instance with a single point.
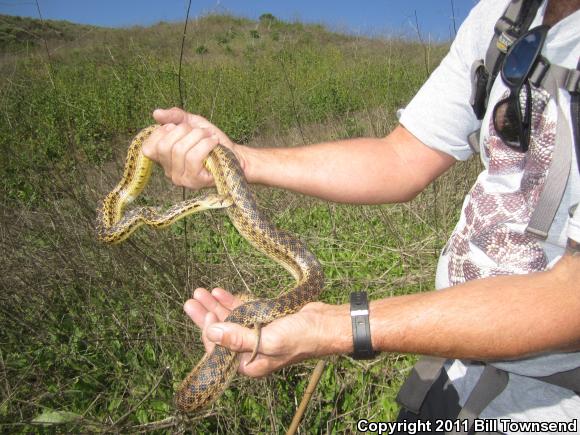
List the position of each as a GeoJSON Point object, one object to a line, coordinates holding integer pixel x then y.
{"type": "Point", "coordinates": [285, 341]}
{"type": "Point", "coordinates": [182, 144]}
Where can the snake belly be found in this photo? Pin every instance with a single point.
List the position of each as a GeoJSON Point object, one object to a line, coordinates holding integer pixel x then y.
{"type": "Point", "coordinates": [212, 375]}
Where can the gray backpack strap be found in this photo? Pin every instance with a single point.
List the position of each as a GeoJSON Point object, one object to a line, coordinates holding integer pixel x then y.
{"type": "Point", "coordinates": [575, 116]}
{"type": "Point", "coordinates": [473, 141]}
{"type": "Point", "coordinates": [569, 379]}
{"type": "Point", "coordinates": [515, 20]}
{"type": "Point", "coordinates": [552, 77]}
{"type": "Point", "coordinates": [414, 390]}
{"type": "Point", "coordinates": [502, 38]}
{"type": "Point", "coordinates": [490, 384]}
{"type": "Point", "coordinates": [552, 80]}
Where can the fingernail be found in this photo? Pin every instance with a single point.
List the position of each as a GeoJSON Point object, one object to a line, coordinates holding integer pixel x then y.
{"type": "Point", "coordinates": [215, 334]}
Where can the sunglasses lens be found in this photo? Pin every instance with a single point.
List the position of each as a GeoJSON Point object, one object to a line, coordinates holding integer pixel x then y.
{"type": "Point", "coordinates": [511, 119]}
{"type": "Point", "coordinates": [506, 121]}
{"type": "Point", "coordinates": [521, 56]}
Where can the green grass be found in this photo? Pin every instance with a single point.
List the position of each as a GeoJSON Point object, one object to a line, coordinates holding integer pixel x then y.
{"type": "Point", "coordinates": [93, 338]}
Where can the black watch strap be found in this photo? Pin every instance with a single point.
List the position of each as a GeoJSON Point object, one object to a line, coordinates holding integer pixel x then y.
{"type": "Point", "coordinates": [361, 328]}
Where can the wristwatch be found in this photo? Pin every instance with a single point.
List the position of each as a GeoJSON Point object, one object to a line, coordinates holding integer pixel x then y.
{"type": "Point", "coordinates": [361, 328]}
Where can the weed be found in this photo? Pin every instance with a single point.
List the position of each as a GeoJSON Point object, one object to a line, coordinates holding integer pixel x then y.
{"type": "Point", "coordinates": [201, 49]}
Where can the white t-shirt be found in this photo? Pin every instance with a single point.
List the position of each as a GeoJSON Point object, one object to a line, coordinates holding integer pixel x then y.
{"type": "Point", "coordinates": [490, 237]}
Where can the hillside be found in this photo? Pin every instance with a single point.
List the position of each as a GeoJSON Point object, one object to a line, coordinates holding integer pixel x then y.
{"type": "Point", "coordinates": [17, 32]}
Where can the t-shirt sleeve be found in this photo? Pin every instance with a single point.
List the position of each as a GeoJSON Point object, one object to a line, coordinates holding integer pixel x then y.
{"type": "Point", "coordinates": [440, 115]}
{"type": "Point", "coordinates": [574, 226]}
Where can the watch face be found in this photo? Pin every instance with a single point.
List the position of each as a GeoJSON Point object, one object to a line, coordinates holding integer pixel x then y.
{"type": "Point", "coordinates": [358, 298]}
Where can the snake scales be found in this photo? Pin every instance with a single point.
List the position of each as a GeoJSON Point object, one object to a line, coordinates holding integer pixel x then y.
{"type": "Point", "coordinates": [211, 376]}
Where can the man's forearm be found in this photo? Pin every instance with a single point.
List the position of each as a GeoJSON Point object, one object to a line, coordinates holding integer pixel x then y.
{"type": "Point", "coordinates": [495, 318]}
{"type": "Point", "coordinates": [362, 171]}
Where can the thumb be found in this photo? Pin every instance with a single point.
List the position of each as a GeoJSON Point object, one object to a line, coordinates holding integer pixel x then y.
{"type": "Point", "coordinates": [174, 115]}
{"type": "Point", "coordinates": [232, 336]}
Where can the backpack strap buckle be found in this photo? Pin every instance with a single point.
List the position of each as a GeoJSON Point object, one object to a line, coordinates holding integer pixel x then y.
{"type": "Point", "coordinates": [506, 38]}
{"type": "Point", "coordinates": [539, 72]}
{"type": "Point", "coordinates": [572, 83]}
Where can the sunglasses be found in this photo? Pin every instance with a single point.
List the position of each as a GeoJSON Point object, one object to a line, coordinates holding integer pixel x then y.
{"type": "Point", "coordinates": [512, 115]}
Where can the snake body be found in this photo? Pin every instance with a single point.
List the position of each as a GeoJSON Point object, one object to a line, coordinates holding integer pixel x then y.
{"type": "Point", "coordinates": [211, 376]}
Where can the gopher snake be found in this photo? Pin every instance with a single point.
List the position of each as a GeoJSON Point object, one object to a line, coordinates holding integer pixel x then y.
{"type": "Point", "coordinates": [212, 374]}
